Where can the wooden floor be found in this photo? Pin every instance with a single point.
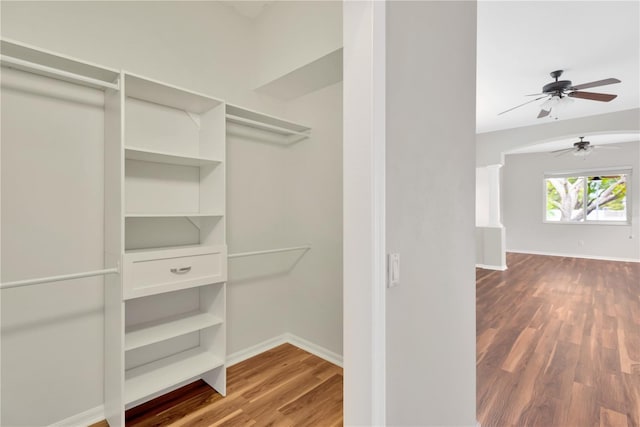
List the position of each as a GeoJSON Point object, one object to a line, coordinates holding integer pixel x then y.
{"type": "Point", "coordinates": [558, 343]}
{"type": "Point", "coordinates": [285, 386]}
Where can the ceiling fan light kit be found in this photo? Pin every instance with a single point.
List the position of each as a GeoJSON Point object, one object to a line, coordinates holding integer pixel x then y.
{"type": "Point", "coordinates": [582, 152]}
{"type": "Point", "coordinates": [559, 94]}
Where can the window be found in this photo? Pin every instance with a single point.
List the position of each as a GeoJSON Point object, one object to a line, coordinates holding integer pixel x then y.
{"type": "Point", "coordinates": [599, 197]}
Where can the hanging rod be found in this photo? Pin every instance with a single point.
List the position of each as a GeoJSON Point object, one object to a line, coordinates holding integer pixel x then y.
{"type": "Point", "coordinates": [23, 65]}
{"type": "Point", "coordinates": [29, 282]}
{"type": "Point", "coordinates": [266, 126]}
{"type": "Point", "coordinates": [269, 251]}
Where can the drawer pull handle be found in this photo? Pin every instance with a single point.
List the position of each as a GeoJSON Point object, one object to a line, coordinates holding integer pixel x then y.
{"type": "Point", "coordinates": [182, 270]}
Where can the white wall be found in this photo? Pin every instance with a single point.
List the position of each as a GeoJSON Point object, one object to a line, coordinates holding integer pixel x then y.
{"type": "Point", "coordinates": [482, 197]}
{"type": "Point", "coordinates": [431, 48]}
{"type": "Point", "coordinates": [207, 47]}
{"type": "Point", "coordinates": [524, 206]}
{"type": "Point", "coordinates": [315, 218]}
{"type": "Point", "coordinates": [288, 36]}
{"type": "Point", "coordinates": [286, 196]}
{"type": "Point", "coordinates": [52, 224]}
{"type": "Point", "coordinates": [257, 219]}
{"type": "Point", "coordinates": [204, 46]}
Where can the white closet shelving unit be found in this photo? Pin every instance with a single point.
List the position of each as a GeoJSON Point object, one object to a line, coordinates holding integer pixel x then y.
{"type": "Point", "coordinates": [165, 242]}
{"type": "Point", "coordinates": [165, 152]}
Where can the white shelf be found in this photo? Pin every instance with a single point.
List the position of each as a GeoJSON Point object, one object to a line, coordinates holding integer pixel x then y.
{"type": "Point", "coordinates": [152, 332]}
{"type": "Point", "coordinates": [145, 155]}
{"type": "Point", "coordinates": [156, 92]}
{"type": "Point", "coordinates": [156, 376]}
{"type": "Point", "coordinates": [171, 215]}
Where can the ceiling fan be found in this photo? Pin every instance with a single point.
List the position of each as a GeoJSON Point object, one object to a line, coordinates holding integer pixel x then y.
{"type": "Point", "coordinates": [580, 148]}
{"type": "Point", "coordinates": [560, 92]}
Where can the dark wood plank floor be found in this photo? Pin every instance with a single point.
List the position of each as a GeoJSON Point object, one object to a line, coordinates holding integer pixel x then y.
{"type": "Point", "coordinates": [558, 343]}
{"type": "Point", "coordinates": [283, 387]}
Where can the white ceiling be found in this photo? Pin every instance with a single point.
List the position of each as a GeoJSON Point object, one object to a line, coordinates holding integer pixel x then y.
{"type": "Point", "coordinates": [521, 42]}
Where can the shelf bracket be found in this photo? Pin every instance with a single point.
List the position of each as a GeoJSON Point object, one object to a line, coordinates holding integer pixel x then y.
{"type": "Point", "coordinates": [194, 221]}
{"type": "Point", "coordinates": [194, 117]}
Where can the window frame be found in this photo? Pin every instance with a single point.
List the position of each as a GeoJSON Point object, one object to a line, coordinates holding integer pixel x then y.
{"type": "Point", "coordinates": [586, 173]}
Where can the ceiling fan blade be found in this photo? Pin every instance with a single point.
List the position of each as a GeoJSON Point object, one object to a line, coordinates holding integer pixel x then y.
{"type": "Point", "coordinates": [563, 150]}
{"type": "Point", "coordinates": [537, 94]}
{"type": "Point", "coordinates": [604, 97]}
{"type": "Point", "coordinates": [543, 113]}
{"type": "Point", "coordinates": [606, 147]}
{"type": "Point", "coordinates": [595, 84]}
{"type": "Point", "coordinates": [518, 106]}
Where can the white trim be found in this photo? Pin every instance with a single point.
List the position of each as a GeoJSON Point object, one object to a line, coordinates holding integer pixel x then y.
{"type": "Point", "coordinates": [364, 290]}
{"type": "Point", "coordinates": [492, 267]}
{"type": "Point", "coordinates": [602, 258]}
{"type": "Point", "coordinates": [589, 172]}
{"type": "Point", "coordinates": [83, 419]}
{"type": "Point", "coordinates": [254, 350]}
{"type": "Point", "coordinates": [379, 208]}
{"type": "Point", "coordinates": [314, 349]}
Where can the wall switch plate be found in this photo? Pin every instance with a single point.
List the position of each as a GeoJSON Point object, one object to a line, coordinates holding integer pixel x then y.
{"type": "Point", "coordinates": [393, 270]}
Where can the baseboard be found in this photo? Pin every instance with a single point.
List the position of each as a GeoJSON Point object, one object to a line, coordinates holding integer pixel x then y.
{"type": "Point", "coordinates": [254, 350]}
{"type": "Point", "coordinates": [315, 349]}
{"type": "Point", "coordinates": [312, 348]}
{"type": "Point", "coordinates": [82, 419]}
{"type": "Point", "coordinates": [601, 258]}
{"type": "Point", "coordinates": [492, 267]}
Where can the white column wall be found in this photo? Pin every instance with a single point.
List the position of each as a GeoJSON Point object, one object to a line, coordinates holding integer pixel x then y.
{"type": "Point", "coordinates": [431, 47]}
{"type": "Point", "coordinates": [490, 233]}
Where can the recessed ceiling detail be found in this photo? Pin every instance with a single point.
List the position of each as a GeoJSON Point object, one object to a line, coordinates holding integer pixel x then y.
{"type": "Point", "coordinates": [598, 140]}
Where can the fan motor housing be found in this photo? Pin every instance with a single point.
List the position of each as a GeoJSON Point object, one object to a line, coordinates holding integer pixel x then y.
{"type": "Point", "coordinates": [581, 145]}
{"type": "Point", "coordinates": [554, 87]}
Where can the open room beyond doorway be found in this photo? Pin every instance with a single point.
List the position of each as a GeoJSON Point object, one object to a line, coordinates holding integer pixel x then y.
{"type": "Point", "coordinates": [558, 221]}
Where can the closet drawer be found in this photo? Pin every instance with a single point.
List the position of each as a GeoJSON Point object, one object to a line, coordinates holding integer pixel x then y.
{"type": "Point", "coordinates": [157, 271]}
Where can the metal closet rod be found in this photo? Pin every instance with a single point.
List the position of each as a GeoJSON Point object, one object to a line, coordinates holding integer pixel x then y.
{"type": "Point", "coordinates": [267, 126]}
{"type": "Point", "coordinates": [64, 75]}
{"type": "Point", "coordinates": [270, 251]}
{"type": "Point", "coordinates": [49, 279]}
